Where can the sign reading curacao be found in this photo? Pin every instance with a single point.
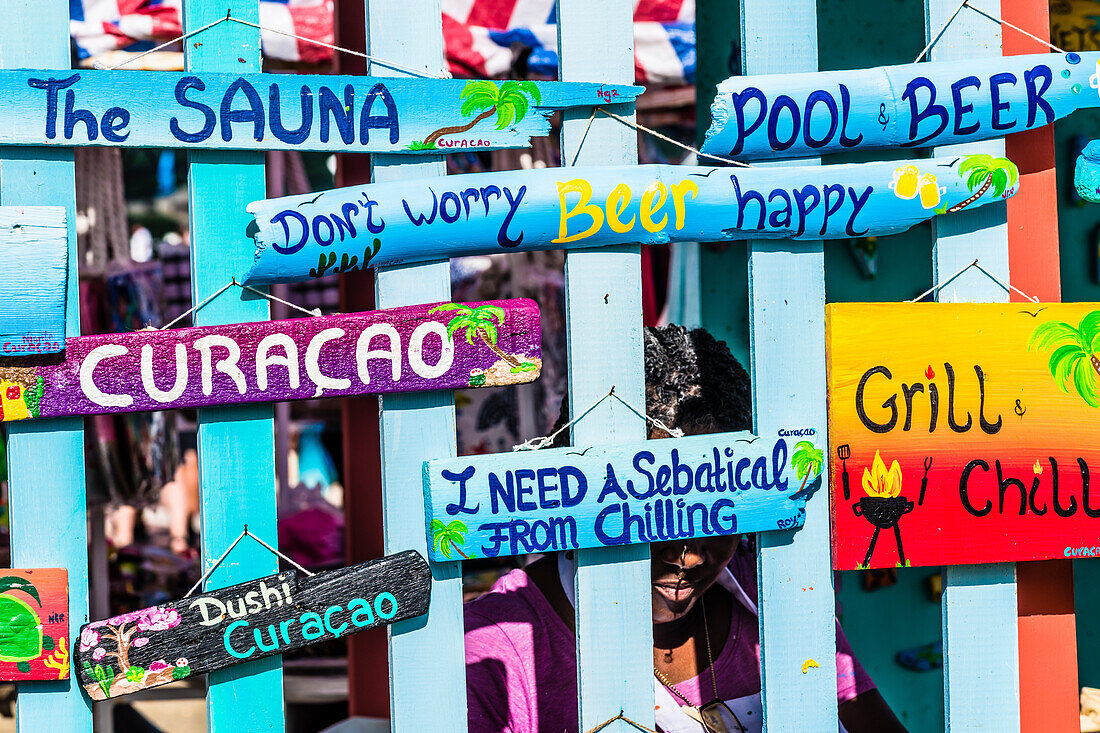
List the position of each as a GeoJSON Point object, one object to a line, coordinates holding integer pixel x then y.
{"type": "Point", "coordinates": [154, 646]}
{"type": "Point", "coordinates": [911, 105]}
{"type": "Point", "coordinates": [299, 237]}
{"type": "Point", "coordinates": [409, 349]}
{"type": "Point", "coordinates": [603, 495]}
{"type": "Point", "coordinates": [283, 111]}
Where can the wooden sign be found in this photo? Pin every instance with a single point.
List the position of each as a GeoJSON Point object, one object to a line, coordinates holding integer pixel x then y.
{"type": "Point", "coordinates": [410, 349]}
{"type": "Point", "coordinates": [911, 105]}
{"type": "Point", "coordinates": [164, 109]}
{"type": "Point", "coordinates": [249, 621]}
{"type": "Point", "coordinates": [299, 237]}
{"type": "Point", "coordinates": [34, 625]}
{"type": "Point", "coordinates": [603, 495]}
{"type": "Point", "coordinates": [964, 433]}
{"type": "Point", "coordinates": [34, 241]}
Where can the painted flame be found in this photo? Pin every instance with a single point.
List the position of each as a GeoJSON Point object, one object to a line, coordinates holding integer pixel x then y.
{"type": "Point", "coordinates": [928, 373]}
{"type": "Point", "coordinates": [877, 481]}
{"type": "Point", "coordinates": [1037, 467]}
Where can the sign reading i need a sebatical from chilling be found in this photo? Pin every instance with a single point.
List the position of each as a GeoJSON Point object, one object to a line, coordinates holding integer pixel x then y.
{"type": "Point", "coordinates": [165, 109]}
{"type": "Point", "coordinates": [604, 495]}
{"type": "Point", "coordinates": [409, 349]}
{"type": "Point", "coordinates": [273, 615]}
{"type": "Point", "coordinates": [910, 105]}
{"type": "Point", "coordinates": [963, 433]}
{"type": "Point", "coordinates": [299, 237]}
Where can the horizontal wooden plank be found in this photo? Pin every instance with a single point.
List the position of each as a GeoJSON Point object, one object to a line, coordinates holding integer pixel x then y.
{"type": "Point", "coordinates": [409, 349]}
{"type": "Point", "coordinates": [282, 111]}
{"type": "Point", "coordinates": [299, 237]}
{"type": "Point", "coordinates": [967, 428]}
{"type": "Point", "coordinates": [34, 624]}
{"type": "Point", "coordinates": [248, 621]}
{"type": "Point", "coordinates": [34, 241]}
{"type": "Point", "coordinates": [617, 494]}
{"type": "Point", "coordinates": [909, 105]}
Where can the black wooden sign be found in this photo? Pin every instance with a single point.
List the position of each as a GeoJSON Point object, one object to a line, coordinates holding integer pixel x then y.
{"type": "Point", "coordinates": [272, 615]}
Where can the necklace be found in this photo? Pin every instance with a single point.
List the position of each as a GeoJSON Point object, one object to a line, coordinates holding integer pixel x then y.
{"type": "Point", "coordinates": [710, 659]}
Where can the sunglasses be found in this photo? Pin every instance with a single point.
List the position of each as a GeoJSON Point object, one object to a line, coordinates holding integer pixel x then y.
{"type": "Point", "coordinates": [717, 717]}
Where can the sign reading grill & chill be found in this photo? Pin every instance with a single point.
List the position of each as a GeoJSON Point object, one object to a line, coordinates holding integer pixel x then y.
{"type": "Point", "coordinates": [963, 433]}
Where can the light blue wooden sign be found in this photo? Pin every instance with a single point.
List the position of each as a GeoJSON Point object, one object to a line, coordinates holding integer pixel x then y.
{"type": "Point", "coordinates": [911, 105]}
{"type": "Point", "coordinates": [300, 237]}
{"type": "Point", "coordinates": [34, 242]}
{"type": "Point", "coordinates": [608, 495]}
{"type": "Point", "coordinates": [168, 109]}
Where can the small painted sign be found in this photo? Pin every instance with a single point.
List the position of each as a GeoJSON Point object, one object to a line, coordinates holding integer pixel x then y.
{"type": "Point", "coordinates": [300, 237]}
{"type": "Point", "coordinates": [245, 622]}
{"type": "Point", "coordinates": [409, 349]}
{"type": "Point", "coordinates": [964, 433]}
{"type": "Point", "coordinates": [34, 625]}
{"type": "Point", "coordinates": [603, 495]}
{"type": "Point", "coordinates": [911, 105]}
{"type": "Point", "coordinates": [166, 109]}
{"type": "Point", "coordinates": [34, 241]}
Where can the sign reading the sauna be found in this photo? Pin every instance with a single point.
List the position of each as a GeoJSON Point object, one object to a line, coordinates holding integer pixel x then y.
{"type": "Point", "coordinates": [911, 105]}
{"type": "Point", "coordinates": [301, 237]}
{"type": "Point", "coordinates": [281, 111]}
{"type": "Point", "coordinates": [260, 618]}
{"type": "Point", "coordinates": [964, 433]}
{"type": "Point", "coordinates": [409, 349]}
{"type": "Point", "coordinates": [604, 495]}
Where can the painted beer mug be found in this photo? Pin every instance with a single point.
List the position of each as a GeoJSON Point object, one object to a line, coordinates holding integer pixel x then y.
{"type": "Point", "coordinates": [904, 184]}
{"type": "Point", "coordinates": [930, 191]}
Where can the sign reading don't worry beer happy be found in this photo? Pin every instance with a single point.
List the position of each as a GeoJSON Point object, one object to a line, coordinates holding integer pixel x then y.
{"type": "Point", "coordinates": [963, 433]}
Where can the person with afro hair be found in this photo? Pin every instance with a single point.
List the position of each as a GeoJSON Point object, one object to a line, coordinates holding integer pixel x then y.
{"type": "Point", "coordinates": [521, 665]}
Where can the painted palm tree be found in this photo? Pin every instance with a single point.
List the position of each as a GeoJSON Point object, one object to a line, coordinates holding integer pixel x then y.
{"type": "Point", "coordinates": [807, 461]}
{"type": "Point", "coordinates": [982, 171]}
{"type": "Point", "coordinates": [509, 101]}
{"type": "Point", "coordinates": [1075, 358]}
{"type": "Point", "coordinates": [447, 537]}
{"type": "Point", "coordinates": [477, 322]}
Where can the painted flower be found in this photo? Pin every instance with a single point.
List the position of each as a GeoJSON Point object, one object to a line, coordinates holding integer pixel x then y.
{"type": "Point", "coordinates": [99, 653]}
{"type": "Point", "coordinates": [140, 641]}
{"type": "Point", "coordinates": [181, 662]}
{"type": "Point", "coordinates": [158, 666]}
{"type": "Point", "coordinates": [159, 619]}
{"type": "Point", "coordinates": [125, 618]}
{"type": "Point", "coordinates": [89, 637]}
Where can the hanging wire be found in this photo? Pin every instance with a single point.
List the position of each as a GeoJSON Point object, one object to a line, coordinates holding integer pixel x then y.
{"type": "Point", "coordinates": [228, 17]}
{"type": "Point", "coordinates": [314, 312]}
{"type": "Point", "coordinates": [545, 440]}
{"type": "Point", "coordinates": [943, 283]}
{"type": "Point", "coordinates": [241, 536]}
{"type": "Point", "coordinates": [995, 19]}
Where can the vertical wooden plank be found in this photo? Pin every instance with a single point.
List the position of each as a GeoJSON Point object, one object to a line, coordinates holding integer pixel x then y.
{"type": "Point", "coordinates": [47, 507]}
{"type": "Point", "coordinates": [236, 443]}
{"type": "Point", "coordinates": [614, 618]}
{"type": "Point", "coordinates": [1047, 626]}
{"type": "Point", "coordinates": [787, 331]}
{"type": "Point", "coordinates": [428, 649]}
{"type": "Point", "coordinates": [980, 646]}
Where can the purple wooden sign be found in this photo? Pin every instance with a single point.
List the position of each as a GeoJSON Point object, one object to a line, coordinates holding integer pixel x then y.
{"type": "Point", "coordinates": [410, 349]}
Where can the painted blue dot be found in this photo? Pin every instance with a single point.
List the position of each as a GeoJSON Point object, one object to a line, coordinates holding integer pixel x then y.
{"type": "Point", "coordinates": [1065, 73]}
{"type": "Point", "coordinates": [1076, 88]}
{"type": "Point", "coordinates": [1073, 58]}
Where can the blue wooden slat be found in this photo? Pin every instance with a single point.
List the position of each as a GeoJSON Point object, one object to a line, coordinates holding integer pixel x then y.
{"type": "Point", "coordinates": [426, 652]}
{"type": "Point", "coordinates": [980, 638]}
{"type": "Point", "coordinates": [603, 312]}
{"type": "Point", "coordinates": [34, 242]}
{"type": "Point", "coordinates": [787, 325]}
{"type": "Point", "coordinates": [48, 520]}
{"type": "Point", "coordinates": [236, 444]}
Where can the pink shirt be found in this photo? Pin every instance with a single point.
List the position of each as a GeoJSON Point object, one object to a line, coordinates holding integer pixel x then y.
{"type": "Point", "coordinates": [521, 662]}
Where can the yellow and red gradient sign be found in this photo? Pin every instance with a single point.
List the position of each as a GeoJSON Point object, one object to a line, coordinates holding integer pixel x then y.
{"type": "Point", "coordinates": [963, 433]}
